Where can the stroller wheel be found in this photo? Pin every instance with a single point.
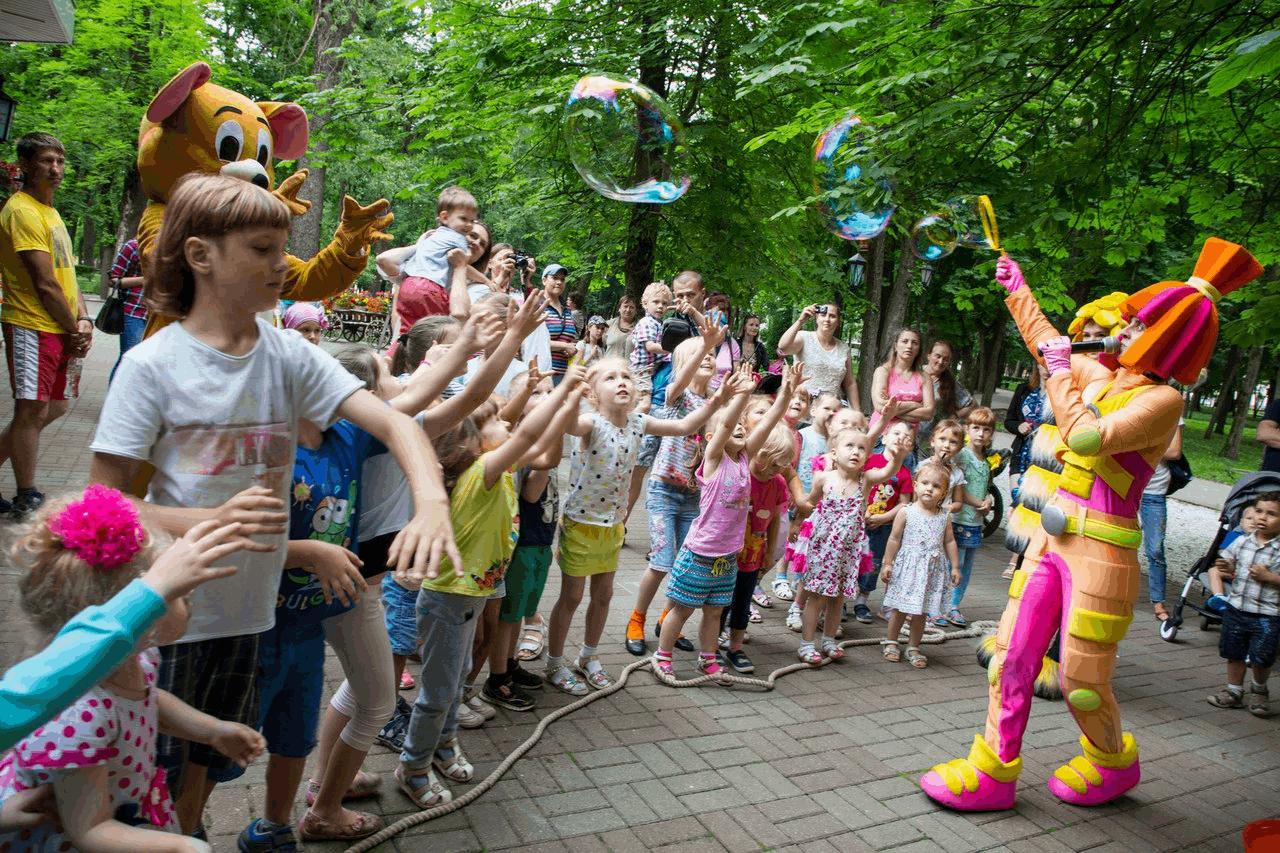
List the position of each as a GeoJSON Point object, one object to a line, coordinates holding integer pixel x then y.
{"type": "Point", "coordinates": [1168, 630]}
{"type": "Point", "coordinates": [1205, 623]}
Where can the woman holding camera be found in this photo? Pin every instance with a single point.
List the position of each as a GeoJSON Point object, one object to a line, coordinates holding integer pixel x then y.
{"type": "Point", "coordinates": [826, 358]}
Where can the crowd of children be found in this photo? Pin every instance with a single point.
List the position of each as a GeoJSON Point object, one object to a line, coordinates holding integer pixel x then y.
{"type": "Point", "coordinates": [328, 480]}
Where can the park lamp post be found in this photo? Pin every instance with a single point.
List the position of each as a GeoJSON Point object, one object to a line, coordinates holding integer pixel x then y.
{"type": "Point", "coordinates": [926, 275]}
{"type": "Point", "coordinates": [857, 269]}
{"type": "Point", "coordinates": [7, 107]}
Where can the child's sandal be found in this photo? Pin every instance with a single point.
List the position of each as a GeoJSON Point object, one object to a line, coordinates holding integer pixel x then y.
{"type": "Point", "coordinates": [916, 658]}
{"type": "Point", "coordinates": [457, 768]}
{"type": "Point", "coordinates": [891, 651]}
{"type": "Point", "coordinates": [761, 598]}
{"type": "Point", "coordinates": [833, 651]}
{"type": "Point", "coordinates": [810, 655]}
{"type": "Point", "coordinates": [364, 785]}
{"type": "Point", "coordinates": [754, 615]}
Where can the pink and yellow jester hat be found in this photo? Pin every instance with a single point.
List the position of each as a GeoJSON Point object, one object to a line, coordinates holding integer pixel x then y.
{"type": "Point", "coordinates": [1182, 317]}
{"type": "Point", "coordinates": [1104, 311]}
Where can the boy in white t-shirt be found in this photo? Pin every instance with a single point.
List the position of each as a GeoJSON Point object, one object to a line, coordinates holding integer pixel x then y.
{"type": "Point", "coordinates": [213, 403]}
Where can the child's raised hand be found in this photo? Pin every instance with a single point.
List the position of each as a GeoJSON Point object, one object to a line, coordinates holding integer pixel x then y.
{"type": "Point", "coordinates": [742, 380]}
{"type": "Point", "coordinates": [489, 330]}
{"type": "Point", "coordinates": [574, 375]}
{"type": "Point", "coordinates": [456, 258]}
{"type": "Point", "coordinates": [792, 378]}
{"type": "Point", "coordinates": [258, 512]}
{"type": "Point", "coordinates": [239, 743]}
{"type": "Point", "coordinates": [338, 571]}
{"type": "Point", "coordinates": [890, 409]}
{"type": "Point", "coordinates": [529, 317]}
{"type": "Point", "coordinates": [535, 375]}
{"type": "Point", "coordinates": [712, 333]}
{"type": "Point", "coordinates": [188, 562]}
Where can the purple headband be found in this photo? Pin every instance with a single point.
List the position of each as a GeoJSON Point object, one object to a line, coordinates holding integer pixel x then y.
{"type": "Point", "coordinates": [304, 312]}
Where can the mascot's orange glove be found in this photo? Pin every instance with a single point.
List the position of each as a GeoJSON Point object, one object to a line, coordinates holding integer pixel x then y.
{"type": "Point", "coordinates": [288, 191]}
{"type": "Point", "coordinates": [362, 226]}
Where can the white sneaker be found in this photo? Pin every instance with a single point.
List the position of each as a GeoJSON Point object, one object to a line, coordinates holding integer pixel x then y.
{"type": "Point", "coordinates": [795, 619]}
{"type": "Point", "coordinates": [468, 717]}
{"type": "Point", "coordinates": [481, 707]}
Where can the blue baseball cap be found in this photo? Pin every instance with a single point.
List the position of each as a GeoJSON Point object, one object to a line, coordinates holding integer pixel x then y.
{"type": "Point", "coordinates": [553, 269]}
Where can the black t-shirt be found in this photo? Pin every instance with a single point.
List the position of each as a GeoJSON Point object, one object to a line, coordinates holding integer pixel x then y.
{"type": "Point", "coordinates": [538, 519]}
{"type": "Point", "coordinates": [1271, 456]}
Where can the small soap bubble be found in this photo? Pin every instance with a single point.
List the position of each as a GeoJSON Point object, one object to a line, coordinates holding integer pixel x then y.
{"type": "Point", "coordinates": [625, 141]}
{"type": "Point", "coordinates": [933, 237]}
{"type": "Point", "coordinates": [855, 192]}
{"type": "Point", "coordinates": [965, 214]}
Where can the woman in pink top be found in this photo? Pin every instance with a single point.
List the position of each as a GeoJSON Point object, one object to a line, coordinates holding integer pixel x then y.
{"type": "Point", "coordinates": [900, 377]}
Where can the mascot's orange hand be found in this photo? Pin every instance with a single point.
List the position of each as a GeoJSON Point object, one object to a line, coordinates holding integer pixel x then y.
{"type": "Point", "coordinates": [361, 226]}
{"type": "Point", "coordinates": [288, 191]}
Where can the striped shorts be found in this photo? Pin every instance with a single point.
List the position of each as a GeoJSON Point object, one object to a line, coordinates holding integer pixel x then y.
{"type": "Point", "coordinates": [696, 580]}
{"type": "Point", "coordinates": [38, 363]}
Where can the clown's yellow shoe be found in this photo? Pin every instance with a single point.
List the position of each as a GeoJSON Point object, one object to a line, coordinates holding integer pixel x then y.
{"type": "Point", "coordinates": [979, 783]}
{"type": "Point", "coordinates": [1097, 777]}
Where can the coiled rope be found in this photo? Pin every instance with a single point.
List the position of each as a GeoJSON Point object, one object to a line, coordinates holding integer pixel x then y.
{"type": "Point", "coordinates": [932, 636]}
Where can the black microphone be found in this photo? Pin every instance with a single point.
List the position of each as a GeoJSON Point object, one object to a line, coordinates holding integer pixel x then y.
{"type": "Point", "coordinates": [1107, 345]}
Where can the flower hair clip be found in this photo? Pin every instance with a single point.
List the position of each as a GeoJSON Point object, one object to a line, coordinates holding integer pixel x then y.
{"type": "Point", "coordinates": [102, 528]}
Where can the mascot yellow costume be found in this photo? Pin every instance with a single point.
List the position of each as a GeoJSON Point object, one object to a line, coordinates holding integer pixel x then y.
{"type": "Point", "coordinates": [193, 125]}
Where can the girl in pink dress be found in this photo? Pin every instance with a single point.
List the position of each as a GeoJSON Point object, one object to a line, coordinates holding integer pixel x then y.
{"type": "Point", "coordinates": [99, 755]}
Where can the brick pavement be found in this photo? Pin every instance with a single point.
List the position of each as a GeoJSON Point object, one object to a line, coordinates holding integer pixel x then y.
{"type": "Point", "coordinates": [827, 762]}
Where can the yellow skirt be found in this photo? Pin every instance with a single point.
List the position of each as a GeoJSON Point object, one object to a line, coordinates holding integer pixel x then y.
{"type": "Point", "coordinates": [586, 549]}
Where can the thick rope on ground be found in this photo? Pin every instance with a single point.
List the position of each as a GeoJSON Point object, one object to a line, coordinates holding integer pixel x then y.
{"type": "Point", "coordinates": [932, 636]}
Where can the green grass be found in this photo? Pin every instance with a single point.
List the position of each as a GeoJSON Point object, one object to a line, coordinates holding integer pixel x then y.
{"type": "Point", "coordinates": [87, 279]}
{"type": "Point", "coordinates": [1203, 454]}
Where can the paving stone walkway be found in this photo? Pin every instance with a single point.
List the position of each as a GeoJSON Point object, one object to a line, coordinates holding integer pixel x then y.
{"type": "Point", "coordinates": [829, 761]}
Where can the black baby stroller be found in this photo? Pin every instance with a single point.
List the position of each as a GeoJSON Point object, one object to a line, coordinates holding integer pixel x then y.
{"type": "Point", "coordinates": [1242, 494]}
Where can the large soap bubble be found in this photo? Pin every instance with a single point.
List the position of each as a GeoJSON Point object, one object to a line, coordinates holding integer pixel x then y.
{"type": "Point", "coordinates": [933, 237]}
{"type": "Point", "coordinates": [625, 141]}
{"type": "Point", "coordinates": [855, 193]}
{"type": "Point", "coordinates": [973, 218]}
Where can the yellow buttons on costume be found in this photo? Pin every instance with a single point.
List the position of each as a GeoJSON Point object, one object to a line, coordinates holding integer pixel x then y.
{"type": "Point", "coordinates": [1084, 700]}
{"type": "Point", "coordinates": [1098, 627]}
{"type": "Point", "coordinates": [1018, 584]}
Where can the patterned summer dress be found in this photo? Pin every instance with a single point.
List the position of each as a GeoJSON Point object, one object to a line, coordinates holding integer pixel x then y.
{"type": "Point", "coordinates": [100, 728]}
{"type": "Point", "coordinates": [838, 548]}
{"type": "Point", "coordinates": [919, 571]}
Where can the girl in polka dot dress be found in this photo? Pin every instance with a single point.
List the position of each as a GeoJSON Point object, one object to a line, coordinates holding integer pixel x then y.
{"type": "Point", "coordinates": [99, 755]}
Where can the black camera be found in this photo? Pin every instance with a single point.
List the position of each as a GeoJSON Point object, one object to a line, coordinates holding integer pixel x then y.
{"type": "Point", "coordinates": [521, 261]}
{"type": "Point", "coordinates": [821, 309]}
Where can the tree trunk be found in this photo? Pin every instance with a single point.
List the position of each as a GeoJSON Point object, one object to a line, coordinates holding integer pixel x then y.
{"type": "Point", "coordinates": [895, 312]}
{"type": "Point", "coordinates": [869, 345]}
{"type": "Point", "coordinates": [133, 202]}
{"type": "Point", "coordinates": [990, 360]}
{"type": "Point", "coordinates": [1224, 392]}
{"type": "Point", "coordinates": [1232, 448]}
{"type": "Point", "coordinates": [336, 22]}
{"type": "Point", "coordinates": [88, 237]}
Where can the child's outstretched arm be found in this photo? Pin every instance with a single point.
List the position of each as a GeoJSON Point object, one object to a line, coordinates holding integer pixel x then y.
{"type": "Point", "coordinates": [430, 379]}
{"type": "Point", "coordinates": [739, 384]}
{"type": "Point", "coordinates": [872, 477]}
{"type": "Point", "coordinates": [429, 534]}
{"type": "Point", "coordinates": [693, 421]}
{"type": "Point", "coordinates": [791, 380]}
{"type": "Point", "coordinates": [504, 457]}
{"type": "Point", "coordinates": [891, 547]}
{"type": "Point", "coordinates": [238, 742]}
{"type": "Point", "coordinates": [711, 338]}
{"type": "Point", "coordinates": [85, 811]}
{"type": "Point", "coordinates": [515, 406]}
{"type": "Point", "coordinates": [549, 450]}
{"type": "Point", "coordinates": [887, 413]}
{"type": "Point", "coordinates": [520, 324]}
{"type": "Point", "coordinates": [952, 552]}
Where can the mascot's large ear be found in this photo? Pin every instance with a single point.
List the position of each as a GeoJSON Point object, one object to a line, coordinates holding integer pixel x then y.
{"type": "Point", "coordinates": [177, 90]}
{"type": "Point", "coordinates": [289, 127]}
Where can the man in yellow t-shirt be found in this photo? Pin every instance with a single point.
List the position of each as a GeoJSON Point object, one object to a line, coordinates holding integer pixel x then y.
{"type": "Point", "coordinates": [45, 324]}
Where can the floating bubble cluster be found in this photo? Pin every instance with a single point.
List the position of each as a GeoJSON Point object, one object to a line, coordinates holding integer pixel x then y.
{"type": "Point", "coordinates": [934, 237]}
{"type": "Point", "coordinates": [855, 193]}
{"type": "Point", "coordinates": [968, 221]}
{"type": "Point", "coordinates": [625, 141]}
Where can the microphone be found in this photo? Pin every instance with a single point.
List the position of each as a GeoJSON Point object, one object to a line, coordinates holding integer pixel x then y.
{"type": "Point", "coordinates": [1107, 345]}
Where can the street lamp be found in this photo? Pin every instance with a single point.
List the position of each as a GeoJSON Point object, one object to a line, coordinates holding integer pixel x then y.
{"type": "Point", "coordinates": [7, 106]}
{"type": "Point", "coordinates": [926, 274]}
{"type": "Point", "coordinates": [857, 269]}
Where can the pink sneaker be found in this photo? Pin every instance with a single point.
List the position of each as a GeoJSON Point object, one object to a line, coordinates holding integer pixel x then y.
{"type": "Point", "coordinates": [979, 783]}
{"type": "Point", "coordinates": [1097, 777]}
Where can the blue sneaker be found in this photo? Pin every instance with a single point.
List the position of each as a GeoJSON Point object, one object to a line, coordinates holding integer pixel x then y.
{"type": "Point", "coordinates": [393, 733]}
{"type": "Point", "coordinates": [255, 840]}
{"type": "Point", "coordinates": [1216, 603]}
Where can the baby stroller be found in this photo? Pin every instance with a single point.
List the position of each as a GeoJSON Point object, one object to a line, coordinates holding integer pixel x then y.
{"type": "Point", "coordinates": [1242, 494]}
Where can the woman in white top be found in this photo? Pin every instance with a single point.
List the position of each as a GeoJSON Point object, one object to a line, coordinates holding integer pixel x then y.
{"type": "Point", "coordinates": [617, 338]}
{"type": "Point", "coordinates": [826, 358]}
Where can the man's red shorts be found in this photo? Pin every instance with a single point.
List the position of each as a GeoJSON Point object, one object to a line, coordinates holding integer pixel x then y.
{"type": "Point", "coordinates": [38, 363]}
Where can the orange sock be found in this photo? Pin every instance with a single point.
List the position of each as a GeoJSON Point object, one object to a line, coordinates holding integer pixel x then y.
{"type": "Point", "coordinates": [635, 628]}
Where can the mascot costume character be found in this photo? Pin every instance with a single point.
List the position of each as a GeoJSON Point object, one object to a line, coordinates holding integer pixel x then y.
{"type": "Point", "coordinates": [1080, 570]}
{"type": "Point", "coordinates": [194, 126]}
{"type": "Point", "coordinates": [1041, 475]}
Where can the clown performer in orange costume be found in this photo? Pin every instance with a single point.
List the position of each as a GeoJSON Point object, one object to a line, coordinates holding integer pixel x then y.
{"type": "Point", "coordinates": [1080, 573]}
